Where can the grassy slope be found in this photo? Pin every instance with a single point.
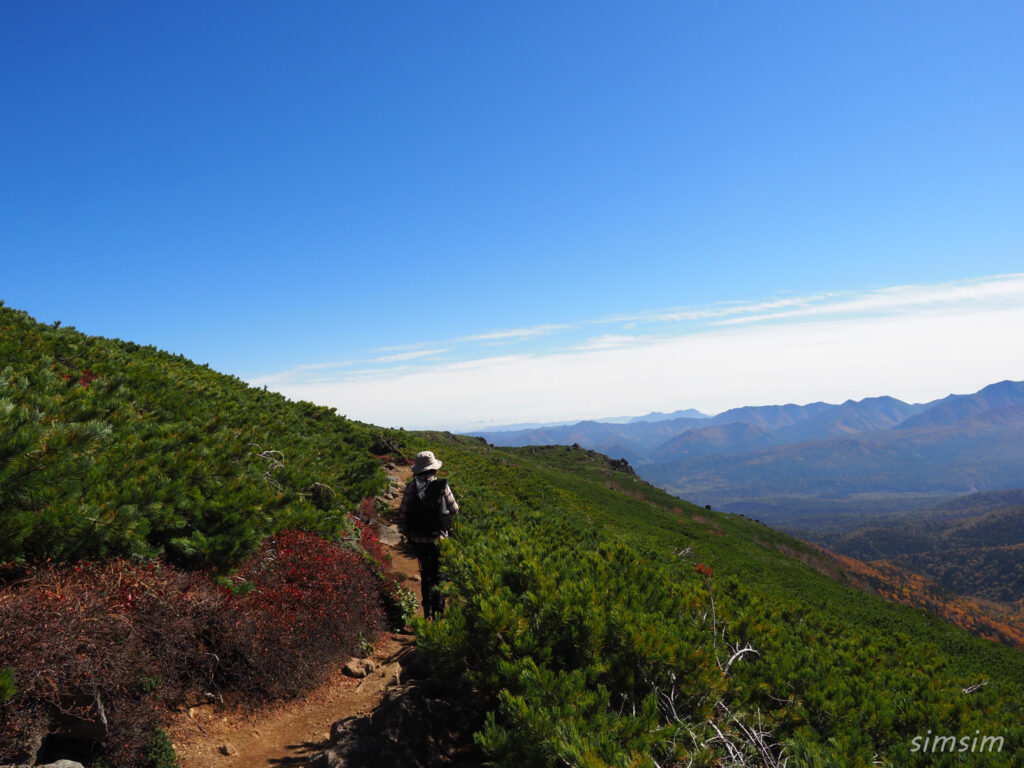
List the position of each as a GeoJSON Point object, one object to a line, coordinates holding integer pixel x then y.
{"type": "Point", "coordinates": [809, 627]}
{"type": "Point", "coordinates": [109, 448]}
{"type": "Point", "coordinates": [748, 550]}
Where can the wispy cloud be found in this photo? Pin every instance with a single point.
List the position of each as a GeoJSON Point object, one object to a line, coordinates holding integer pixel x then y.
{"type": "Point", "coordinates": [488, 336]}
{"type": "Point", "coordinates": [407, 347]}
{"type": "Point", "coordinates": [301, 372]}
{"type": "Point", "coordinates": [914, 342]}
{"type": "Point", "coordinates": [403, 356]}
{"type": "Point", "coordinates": [683, 314]}
{"type": "Point", "coordinates": [609, 341]}
{"type": "Point", "coordinates": [521, 333]}
{"type": "Point", "coordinates": [956, 296]}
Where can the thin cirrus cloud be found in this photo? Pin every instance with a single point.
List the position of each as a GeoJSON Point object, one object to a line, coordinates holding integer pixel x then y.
{"type": "Point", "coordinates": [518, 334]}
{"type": "Point", "coordinates": [915, 342]}
{"type": "Point", "coordinates": [683, 314]}
{"type": "Point", "coordinates": [609, 341]}
{"type": "Point", "coordinates": [399, 357]}
{"type": "Point", "coordinates": [412, 351]}
{"type": "Point", "coordinates": [1006, 289]}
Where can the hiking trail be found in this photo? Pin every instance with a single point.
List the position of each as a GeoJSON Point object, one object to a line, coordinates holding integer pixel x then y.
{"type": "Point", "coordinates": [291, 733]}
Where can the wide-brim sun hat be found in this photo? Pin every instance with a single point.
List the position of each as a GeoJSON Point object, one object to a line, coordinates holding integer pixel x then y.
{"type": "Point", "coordinates": [425, 462]}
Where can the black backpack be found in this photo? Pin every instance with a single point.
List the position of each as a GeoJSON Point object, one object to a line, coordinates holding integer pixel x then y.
{"type": "Point", "coordinates": [428, 515]}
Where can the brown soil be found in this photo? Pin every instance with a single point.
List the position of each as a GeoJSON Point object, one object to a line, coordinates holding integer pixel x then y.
{"type": "Point", "coordinates": [290, 733]}
{"type": "Point", "coordinates": [637, 495]}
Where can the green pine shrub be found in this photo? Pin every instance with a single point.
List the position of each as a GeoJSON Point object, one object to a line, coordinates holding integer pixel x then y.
{"type": "Point", "coordinates": [111, 449]}
{"type": "Point", "coordinates": [159, 751]}
{"type": "Point", "coordinates": [8, 687]}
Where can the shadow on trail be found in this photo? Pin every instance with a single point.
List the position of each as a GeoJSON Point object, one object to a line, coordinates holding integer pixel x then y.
{"type": "Point", "coordinates": [304, 753]}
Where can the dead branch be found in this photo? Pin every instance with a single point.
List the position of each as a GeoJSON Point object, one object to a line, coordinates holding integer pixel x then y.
{"type": "Point", "coordinates": [738, 654]}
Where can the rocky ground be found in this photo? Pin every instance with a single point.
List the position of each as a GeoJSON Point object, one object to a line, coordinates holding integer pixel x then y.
{"type": "Point", "coordinates": [291, 733]}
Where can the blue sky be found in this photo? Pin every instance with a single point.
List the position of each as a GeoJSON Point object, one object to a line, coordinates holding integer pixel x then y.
{"type": "Point", "coordinates": [441, 214]}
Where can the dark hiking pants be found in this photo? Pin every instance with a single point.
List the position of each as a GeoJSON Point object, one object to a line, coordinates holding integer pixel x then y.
{"type": "Point", "coordinates": [429, 556]}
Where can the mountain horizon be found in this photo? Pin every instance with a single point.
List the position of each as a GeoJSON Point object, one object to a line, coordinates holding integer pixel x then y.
{"type": "Point", "coordinates": [791, 422]}
{"type": "Point", "coordinates": [789, 464]}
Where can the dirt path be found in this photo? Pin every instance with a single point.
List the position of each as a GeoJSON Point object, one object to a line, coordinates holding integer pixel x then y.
{"type": "Point", "coordinates": [291, 733]}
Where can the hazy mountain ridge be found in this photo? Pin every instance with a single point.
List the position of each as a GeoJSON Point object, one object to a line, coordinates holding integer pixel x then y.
{"type": "Point", "coordinates": [781, 424]}
{"type": "Point", "coordinates": [687, 413]}
{"type": "Point", "coordinates": [852, 417]}
{"type": "Point", "coordinates": [638, 437]}
{"type": "Point", "coordinates": [974, 454]}
{"type": "Point", "coordinates": [956, 408]}
{"type": "Point", "coordinates": [723, 439]}
{"type": "Point", "coordinates": [960, 444]}
{"type": "Point", "coordinates": [529, 426]}
{"type": "Point", "coordinates": [772, 417]}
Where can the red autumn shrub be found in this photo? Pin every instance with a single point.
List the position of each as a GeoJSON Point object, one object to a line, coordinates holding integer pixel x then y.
{"type": "Point", "coordinates": [367, 508]}
{"type": "Point", "coordinates": [704, 570]}
{"type": "Point", "coordinates": [309, 601]}
{"type": "Point", "coordinates": [371, 545]}
{"type": "Point", "coordinates": [119, 641]}
{"type": "Point", "coordinates": [92, 642]}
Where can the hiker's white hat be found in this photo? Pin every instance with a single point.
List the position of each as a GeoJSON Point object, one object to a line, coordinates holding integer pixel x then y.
{"type": "Point", "coordinates": [425, 462]}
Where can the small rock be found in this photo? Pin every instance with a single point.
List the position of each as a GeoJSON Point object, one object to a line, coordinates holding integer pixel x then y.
{"type": "Point", "coordinates": [200, 710]}
{"type": "Point", "coordinates": [359, 667]}
{"type": "Point", "coordinates": [228, 750]}
{"type": "Point", "coordinates": [414, 577]}
{"type": "Point", "coordinates": [389, 536]}
{"type": "Point", "coordinates": [384, 678]}
{"type": "Point", "coordinates": [390, 466]}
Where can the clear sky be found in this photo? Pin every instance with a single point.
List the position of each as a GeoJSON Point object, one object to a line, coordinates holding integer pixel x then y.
{"type": "Point", "coordinates": [436, 214]}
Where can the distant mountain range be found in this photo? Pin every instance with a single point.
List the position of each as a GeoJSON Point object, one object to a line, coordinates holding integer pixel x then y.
{"type": "Point", "coordinates": [794, 464]}
{"type": "Point", "coordinates": [690, 413]}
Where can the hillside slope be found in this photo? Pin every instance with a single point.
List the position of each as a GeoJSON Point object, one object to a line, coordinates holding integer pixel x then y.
{"type": "Point", "coordinates": [601, 615]}
{"type": "Point", "coordinates": [110, 448]}
{"type": "Point", "coordinates": [973, 546]}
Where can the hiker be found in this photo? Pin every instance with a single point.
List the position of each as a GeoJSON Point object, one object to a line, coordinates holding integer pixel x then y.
{"type": "Point", "coordinates": [426, 512]}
